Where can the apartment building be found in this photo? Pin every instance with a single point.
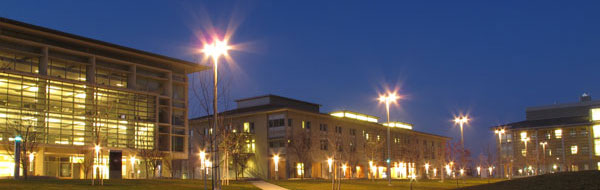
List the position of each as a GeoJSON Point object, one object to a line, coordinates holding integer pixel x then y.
{"type": "Point", "coordinates": [553, 138]}
{"type": "Point", "coordinates": [303, 140]}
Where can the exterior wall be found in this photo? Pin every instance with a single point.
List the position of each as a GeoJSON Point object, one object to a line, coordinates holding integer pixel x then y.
{"type": "Point", "coordinates": [555, 156]}
{"type": "Point", "coordinates": [410, 146]}
{"type": "Point", "coordinates": [66, 88]}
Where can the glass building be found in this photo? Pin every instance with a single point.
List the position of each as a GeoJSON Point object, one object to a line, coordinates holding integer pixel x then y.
{"type": "Point", "coordinates": [66, 94]}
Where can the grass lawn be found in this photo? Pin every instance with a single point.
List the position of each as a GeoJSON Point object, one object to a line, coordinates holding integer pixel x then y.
{"type": "Point", "coordinates": [155, 184]}
{"type": "Point", "coordinates": [557, 181]}
{"type": "Point", "coordinates": [380, 184]}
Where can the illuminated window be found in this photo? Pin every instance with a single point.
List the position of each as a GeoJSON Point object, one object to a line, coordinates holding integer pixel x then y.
{"type": "Point", "coordinates": [597, 147]}
{"type": "Point", "coordinates": [300, 169]}
{"type": "Point", "coordinates": [524, 152]}
{"type": "Point", "coordinates": [523, 134]}
{"type": "Point", "coordinates": [596, 130]}
{"type": "Point", "coordinates": [246, 127]}
{"type": "Point", "coordinates": [558, 133]}
{"type": "Point", "coordinates": [595, 113]}
{"type": "Point", "coordinates": [574, 149]}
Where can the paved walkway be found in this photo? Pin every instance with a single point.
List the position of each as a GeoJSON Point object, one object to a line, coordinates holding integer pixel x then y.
{"type": "Point", "coordinates": [266, 186]}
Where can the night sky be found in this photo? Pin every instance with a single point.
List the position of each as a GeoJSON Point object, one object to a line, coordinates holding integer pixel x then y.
{"type": "Point", "coordinates": [488, 59]}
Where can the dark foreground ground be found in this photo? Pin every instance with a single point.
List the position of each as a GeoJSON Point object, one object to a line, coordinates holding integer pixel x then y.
{"type": "Point", "coordinates": [138, 184]}
{"type": "Point", "coordinates": [557, 181]}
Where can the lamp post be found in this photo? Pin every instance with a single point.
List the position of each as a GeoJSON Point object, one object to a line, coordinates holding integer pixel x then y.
{"type": "Point", "coordinates": [214, 51]}
{"type": "Point", "coordinates": [544, 153]}
{"type": "Point", "coordinates": [98, 166]}
{"type": "Point", "coordinates": [276, 162]}
{"type": "Point", "coordinates": [202, 156]}
{"type": "Point", "coordinates": [461, 120]}
{"type": "Point", "coordinates": [525, 140]}
{"type": "Point", "coordinates": [330, 163]}
{"type": "Point", "coordinates": [390, 98]}
{"type": "Point", "coordinates": [17, 171]}
{"type": "Point", "coordinates": [132, 159]}
{"type": "Point", "coordinates": [499, 132]}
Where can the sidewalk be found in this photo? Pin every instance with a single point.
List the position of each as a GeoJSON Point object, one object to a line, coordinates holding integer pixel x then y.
{"type": "Point", "coordinates": [266, 186]}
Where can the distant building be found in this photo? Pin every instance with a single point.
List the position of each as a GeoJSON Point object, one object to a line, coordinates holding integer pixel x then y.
{"type": "Point", "coordinates": [278, 125]}
{"type": "Point", "coordinates": [553, 138]}
{"type": "Point", "coordinates": [73, 93]}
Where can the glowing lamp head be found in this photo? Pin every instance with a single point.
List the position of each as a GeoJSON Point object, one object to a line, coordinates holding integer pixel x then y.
{"type": "Point", "coordinates": [329, 161]}
{"type": "Point", "coordinates": [461, 120]}
{"type": "Point", "coordinates": [390, 98]}
{"type": "Point", "coordinates": [216, 49]}
{"type": "Point", "coordinates": [276, 158]}
{"type": "Point", "coordinates": [18, 138]}
{"type": "Point", "coordinates": [97, 148]}
{"type": "Point", "coordinates": [202, 155]}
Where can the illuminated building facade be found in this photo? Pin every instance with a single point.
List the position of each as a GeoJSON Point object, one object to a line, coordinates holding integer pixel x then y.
{"type": "Point", "coordinates": [278, 125]}
{"type": "Point", "coordinates": [72, 93]}
{"type": "Point", "coordinates": [553, 138]}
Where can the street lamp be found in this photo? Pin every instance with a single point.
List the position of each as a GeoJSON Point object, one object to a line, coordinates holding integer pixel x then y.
{"type": "Point", "coordinates": [479, 171]}
{"type": "Point", "coordinates": [500, 132]}
{"type": "Point", "coordinates": [427, 169]}
{"type": "Point", "coordinates": [544, 152]}
{"type": "Point", "coordinates": [390, 98]}
{"type": "Point", "coordinates": [461, 120]}
{"type": "Point", "coordinates": [132, 159]}
{"type": "Point", "coordinates": [214, 51]}
{"type": "Point", "coordinates": [202, 156]}
{"type": "Point", "coordinates": [276, 162]}
{"type": "Point", "coordinates": [344, 169]}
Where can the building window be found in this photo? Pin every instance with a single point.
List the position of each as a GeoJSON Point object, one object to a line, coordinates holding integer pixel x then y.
{"type": "Point", "coordinates": [338, 129]}
{"type": "Point", "coordinates": [276, 123]}
{"type": "Point", "coordinates": [367, 136]}
{"type": "Point", "coordinates": [574, 149]}
{"type": "Point", "coordinates": [246, 127]}
{"type": "Point", "coordinates": [324, 144]}
{"type": "Point", "coordinates": [300, 169]}
{"type": "Point", "coordinates": [558, 133]}
{"type": "Point", "coordinates": [596, 131]}
{"type": "Point", "coordinates": [595, 113]}
{"type": "Point", "coordinates": [597, 147]}
{"type": "Point", "coordinates": [573, 133]}
{"type": "Point", "coordinates": [353, 132]}
{"type": "Point", "coordinates": [289, 122]}
{"type": "Point", "coordinates": [524, 152]}
{"type": "Point", "coordinates": [323, 127]}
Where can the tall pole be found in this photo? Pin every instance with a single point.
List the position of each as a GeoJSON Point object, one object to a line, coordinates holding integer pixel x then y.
{"type": "Point", "coordinates": [462, 140]}
{"type": "Point", "coordinates": [215, 145]}
{"type": "Point", "coordinates": [389, 172]}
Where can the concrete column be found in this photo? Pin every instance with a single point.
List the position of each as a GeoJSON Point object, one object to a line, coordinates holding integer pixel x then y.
{"type": "Point", "coordinates": [43, 65]}
{"type": "Point", "coordinates": [131, 78]}
{"type": "Point", "coordinates": [90, 70]}
{"type": "Point", "coordinates": [591, 148]}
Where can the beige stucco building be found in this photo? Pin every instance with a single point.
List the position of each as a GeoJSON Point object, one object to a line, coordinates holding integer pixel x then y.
{"type": "Point", "coordinates": [279, 126]}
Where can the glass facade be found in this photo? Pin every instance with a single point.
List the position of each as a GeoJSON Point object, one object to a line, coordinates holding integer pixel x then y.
{"type": "Point", "coordinates": [68, 113]}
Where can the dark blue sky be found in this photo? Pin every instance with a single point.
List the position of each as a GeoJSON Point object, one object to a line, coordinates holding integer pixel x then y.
{"type": "Point", "coordinates": [491, 59]}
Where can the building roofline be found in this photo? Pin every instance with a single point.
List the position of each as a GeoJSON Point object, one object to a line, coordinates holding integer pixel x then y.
{"type": "Point", "coordinates": [196, 66]}
{"type": "Point", "coordinates": [563, 105]}
{"type": "Point", "coordinates": [284, 108]}
{"type": "Point", "coordinates": [277, 96]}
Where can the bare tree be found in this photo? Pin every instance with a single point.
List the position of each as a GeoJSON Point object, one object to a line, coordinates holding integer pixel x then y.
{"type": "Point", "coordinates": [374, 147]}
{"type": "Point", "coordinates": [202, 90]}
{"type": "Point", "coordinates": [30, 134]}
{"type": "Point", "coordinates": [301, 145]}
{"type": "Point", "coordinates": [236, 144]}
{"type": "Point", "coordinates": [87, 164]}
